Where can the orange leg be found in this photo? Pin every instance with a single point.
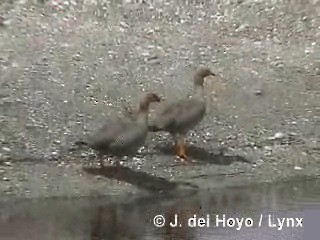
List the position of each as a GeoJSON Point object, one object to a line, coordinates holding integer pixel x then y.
{"type": "Point", "coordinates": [181, 150]}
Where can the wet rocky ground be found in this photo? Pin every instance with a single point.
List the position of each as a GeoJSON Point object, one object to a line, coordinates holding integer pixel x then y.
{"type": "Point", "coordinates": [66, 66]}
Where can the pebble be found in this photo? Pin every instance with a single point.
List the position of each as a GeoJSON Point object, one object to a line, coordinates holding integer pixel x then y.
{"type": "Point", "coordinates": [5, 22]}
{"type": "Point", "coordinates": [5, 179]}
{"type": "Point", "coordinates": [136, 159]}
{"type": "Point", "coordinates": [124, 24]}
{"type": "Point", "coordinates": [54, 153]}
{"type": "Point", "coordinates": [268, 148]}
{"type": "Point", "coordinates": [7, 163]}
{"type": "Point", "coordinates": [278, 135]}
{"type": "Point", "coordinates": [259, 162]}
{"type": "Point", "coordinates": [242, 27]}
{"type": "Point", "coordinates": [298, 168]}
{"type": "Point", "coordinates": [61, 164]}
{"type": "Point", "coordinates": [142, 149]}
{"type": "Point", "coordinates": [6, 149]}
{"type": "Point", "coordinates": [258, 92]}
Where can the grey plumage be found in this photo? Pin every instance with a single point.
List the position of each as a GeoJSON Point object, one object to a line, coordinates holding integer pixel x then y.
{"type": "Point", "coordinates": [178, 118]}
{"type": "Point", "coordinates": [122, 137]}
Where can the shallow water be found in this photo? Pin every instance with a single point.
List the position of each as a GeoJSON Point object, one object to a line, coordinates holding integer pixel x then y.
{"type": "Point", "coordinates": [132, 218]}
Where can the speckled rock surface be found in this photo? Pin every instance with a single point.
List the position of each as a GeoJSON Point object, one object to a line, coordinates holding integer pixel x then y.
{"type": "Point", "coordinates": [67, 65]}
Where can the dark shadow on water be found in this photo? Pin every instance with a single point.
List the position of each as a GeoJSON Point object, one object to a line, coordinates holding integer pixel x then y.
{"type": "Point", "coordinates": [137, 178]}
{"type": "Point", "coordinates": [105, 218]}
{"type": "Point", "coordinates": [106, 224]}
{"type": "Point", "coordinates": [201, 156]}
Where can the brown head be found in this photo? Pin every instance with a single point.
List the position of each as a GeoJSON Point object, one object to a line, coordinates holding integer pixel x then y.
{"type": "Point", "coordinates": [200, 74]}
{"type": "Point", "coordinates": [149, 98]}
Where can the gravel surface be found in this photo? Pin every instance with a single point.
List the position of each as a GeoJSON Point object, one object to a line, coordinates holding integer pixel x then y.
{"type": "Point", "coordinates": [66, 66]}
